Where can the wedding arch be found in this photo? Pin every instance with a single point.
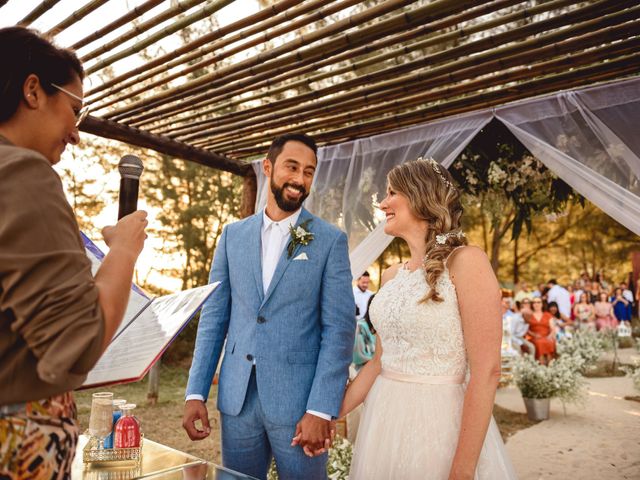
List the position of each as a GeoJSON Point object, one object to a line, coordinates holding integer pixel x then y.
{"type": "Point", "coordinates": [587, 137]}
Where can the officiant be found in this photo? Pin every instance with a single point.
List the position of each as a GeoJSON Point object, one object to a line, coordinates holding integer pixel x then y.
{"type": "Point", "coordinates": [55, 318]}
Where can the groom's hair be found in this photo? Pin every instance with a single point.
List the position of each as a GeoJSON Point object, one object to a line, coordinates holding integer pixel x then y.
{"type": "Point", "coordinates": [278, 144]}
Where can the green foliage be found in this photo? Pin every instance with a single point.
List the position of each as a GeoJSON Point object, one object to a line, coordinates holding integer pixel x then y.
{"type": "Point", "coordinates": [196, 202]}
{"type": "Point", "coordinates": [498, 170]}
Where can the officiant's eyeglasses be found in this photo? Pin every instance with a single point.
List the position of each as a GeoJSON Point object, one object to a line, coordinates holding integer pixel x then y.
{"type": "Point", "coordinates": [80, 114]}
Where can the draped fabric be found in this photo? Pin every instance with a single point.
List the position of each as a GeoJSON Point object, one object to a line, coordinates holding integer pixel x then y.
{"type": "Point", "coordinates": [587, 137]}
{"type": "Point", "coordinates": [351, 178]}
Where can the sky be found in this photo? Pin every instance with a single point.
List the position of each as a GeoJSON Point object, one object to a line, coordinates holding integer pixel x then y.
{"type": "Point", "coordinates": [15, 10]}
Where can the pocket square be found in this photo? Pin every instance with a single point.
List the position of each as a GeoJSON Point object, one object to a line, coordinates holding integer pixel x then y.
{"type": "Point", "coordinates": [302, 256]}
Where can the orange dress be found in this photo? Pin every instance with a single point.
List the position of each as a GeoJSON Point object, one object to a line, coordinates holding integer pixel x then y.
{"type": "Point", "coordinates": [544, 345]}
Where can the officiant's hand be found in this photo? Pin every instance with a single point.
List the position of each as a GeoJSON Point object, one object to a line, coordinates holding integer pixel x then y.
{"type": "Point", "coordinates": [195, 410]}
{"type": "Point", "coordinates": [313, 434]}
{"type": "Point", "coordinates": [128, 234]}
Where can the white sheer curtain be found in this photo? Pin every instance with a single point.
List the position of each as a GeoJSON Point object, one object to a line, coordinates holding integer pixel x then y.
{"type": "Point", "coordinates": [589, 138]}
{"type": "Point", "coordinates": [351, 177]}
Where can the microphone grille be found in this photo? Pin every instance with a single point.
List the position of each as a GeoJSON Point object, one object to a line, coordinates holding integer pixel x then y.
{"type": "Point", "coordinates": [130, 166]}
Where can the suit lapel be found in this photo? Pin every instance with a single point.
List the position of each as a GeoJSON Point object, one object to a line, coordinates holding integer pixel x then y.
{"type": "Point", "coordinates": [285, 260]}
{"type": "Point", "coordinates": [255, 251]}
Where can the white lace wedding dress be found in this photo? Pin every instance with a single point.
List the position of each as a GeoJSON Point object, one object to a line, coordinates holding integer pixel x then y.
{"type": "Point", "coordinates": [412, 414]}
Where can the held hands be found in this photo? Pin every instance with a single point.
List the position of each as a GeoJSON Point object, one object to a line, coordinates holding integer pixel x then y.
{"type": "Point", "coordinates": [128, 234]}
{"type": "Point", "coordinates": [314, 434]}
{"type": "Point", "coordinates": [195, 410]}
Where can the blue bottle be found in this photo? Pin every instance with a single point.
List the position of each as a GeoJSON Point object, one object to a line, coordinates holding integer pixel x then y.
{"type": "Point", "coordinates": [117, 413]}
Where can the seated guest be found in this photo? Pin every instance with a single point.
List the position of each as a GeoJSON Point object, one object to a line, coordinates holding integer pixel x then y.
{"type": "Point", "coordinates": [627, 294]}
{"type": "Point", "coordinates": [594, 292]}
{"type": "Point", "coordinates": [365, 340]}
{"type": "Point", "coordinates": [523, 292]}
{"type": "Point", "coordinates": [55, 318]}
{"type": "Point", "coordinates": [541, 332]}
{"type": "Point", "coordinates": [561, 297]}
{"type": "Point", "coordinates": [584, 313]}
{"type": "Point", "coordinates": [518, 328]}
{"type": "Point", "coordinates": [605, 317]}
{"type": "Point", "coordinates": [563, 326]}
{"type": "Point", "coordinates": [620, 306]}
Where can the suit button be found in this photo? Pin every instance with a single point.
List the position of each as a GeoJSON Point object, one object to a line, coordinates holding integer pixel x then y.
{"type": "Point", "coordinates": [261, 320]}
{"type": "Point", "coordinates": [250, 357]}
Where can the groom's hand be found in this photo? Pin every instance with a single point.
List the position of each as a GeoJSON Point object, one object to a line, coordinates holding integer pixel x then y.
{"type": "Point", "coordinates": [195, 410]}
{"type": "Point", "coordinates": [313, 434]}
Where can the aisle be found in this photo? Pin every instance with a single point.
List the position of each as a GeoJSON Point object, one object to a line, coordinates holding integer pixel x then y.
{"type": "Point", "coordinates": [598, 441]}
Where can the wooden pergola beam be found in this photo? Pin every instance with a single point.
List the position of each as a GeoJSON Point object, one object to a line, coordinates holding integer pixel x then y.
{"type": "Point", "coordinates": [133, 136]}
{"type": "Point", "coordinates": [259, 83]}
{"type": "Point", "coordinates": [157, 112]}
{"type": "Point", "coordinates": [410, 96]}
{"type": "Point", "coordinates": [613, 69]}
{"type": "Point", "coordinates": [244, 122]}
{"type": "Point", "coordinates": [285, 54]}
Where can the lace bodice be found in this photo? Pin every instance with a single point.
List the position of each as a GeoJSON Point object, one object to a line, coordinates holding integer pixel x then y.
{"type": "Point", "coordinates": [419, 338]}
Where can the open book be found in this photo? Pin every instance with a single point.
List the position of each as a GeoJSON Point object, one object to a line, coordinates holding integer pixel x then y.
{"type": "Point", "coordinates": [148, 328]}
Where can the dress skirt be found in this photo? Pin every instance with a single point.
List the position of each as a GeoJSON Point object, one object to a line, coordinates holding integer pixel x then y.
{"type": "Point", "coordinates": [409, 430]}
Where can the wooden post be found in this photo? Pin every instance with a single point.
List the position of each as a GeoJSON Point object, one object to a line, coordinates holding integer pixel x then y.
{"type": "Point", "coordinates": [249, 194]}
{"type": "Point", "coordinates": [154, 384]}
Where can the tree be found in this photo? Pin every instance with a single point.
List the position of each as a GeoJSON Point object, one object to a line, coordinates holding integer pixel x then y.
{"type": "Point", "coordinates": [507, 186]}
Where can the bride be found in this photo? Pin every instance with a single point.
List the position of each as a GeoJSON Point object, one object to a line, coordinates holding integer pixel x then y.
{"type": "Point", "coordinates": [429, 394]}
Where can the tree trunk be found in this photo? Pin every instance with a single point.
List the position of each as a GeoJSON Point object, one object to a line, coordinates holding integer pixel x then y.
{"type": "Point", "coordinates": [495, 250]}
{"type": "Point", "coordinates": [249, 194]}
{"type": "Point", "coordinates": [516, 268]}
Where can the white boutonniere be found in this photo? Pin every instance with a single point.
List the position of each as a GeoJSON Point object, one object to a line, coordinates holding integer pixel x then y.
{"type": "Point", "coordinates": [299, 236]}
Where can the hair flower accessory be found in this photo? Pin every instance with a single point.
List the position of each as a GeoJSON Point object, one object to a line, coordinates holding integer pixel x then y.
{"type": "Point", "coordinates": [436, 168]}
{"type": "Point", "coordinates": [299, 236]}
{"type": "Point", "coordinates": [442, 238]}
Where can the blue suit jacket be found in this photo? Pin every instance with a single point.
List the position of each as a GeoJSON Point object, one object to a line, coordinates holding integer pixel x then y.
{"type": "Point", "coordinates": [300, 333]}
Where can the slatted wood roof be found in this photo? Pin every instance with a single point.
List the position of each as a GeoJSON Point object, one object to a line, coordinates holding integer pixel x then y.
{"type": "Point", "coordinates": [337, 70]}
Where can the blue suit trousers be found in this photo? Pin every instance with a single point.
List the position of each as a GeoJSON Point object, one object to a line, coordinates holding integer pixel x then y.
{"type": "Point", "coordinates": [249, 441]}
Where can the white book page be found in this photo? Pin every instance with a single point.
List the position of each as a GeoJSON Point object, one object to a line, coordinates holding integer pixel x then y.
{"type": "Point", "coordinates": [130, 355]}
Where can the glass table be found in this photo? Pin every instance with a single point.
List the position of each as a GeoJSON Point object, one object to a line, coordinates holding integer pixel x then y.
{"type": "Point", "coordinates": [158, 462]}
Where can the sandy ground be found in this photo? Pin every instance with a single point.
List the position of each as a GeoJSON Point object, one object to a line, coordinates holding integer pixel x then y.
{"type": "Point", "coordinates": [598, 441]}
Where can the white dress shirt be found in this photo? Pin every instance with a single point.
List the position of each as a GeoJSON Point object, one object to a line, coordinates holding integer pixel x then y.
{"type": "Point", "coordinates": [561, 296]}
{"type": "Point", "coordinates": [362, 301]}
{"type": "Point", "coordinates": [275, 237]}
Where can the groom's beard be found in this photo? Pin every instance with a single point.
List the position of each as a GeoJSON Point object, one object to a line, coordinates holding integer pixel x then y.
{"type": "Point", "coordinates": [283, 203]}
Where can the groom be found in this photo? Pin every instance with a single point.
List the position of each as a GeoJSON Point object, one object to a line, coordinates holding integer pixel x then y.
{"type": "Point", "coordinates": [285, 308]}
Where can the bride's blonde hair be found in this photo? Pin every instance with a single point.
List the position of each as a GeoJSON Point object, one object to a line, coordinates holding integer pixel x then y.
{"type": "Point", "coordinates": [432, 197]}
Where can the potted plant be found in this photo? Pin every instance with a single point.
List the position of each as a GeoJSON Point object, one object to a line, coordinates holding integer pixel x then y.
{"type": "Point", "coordinates": [540, 383]}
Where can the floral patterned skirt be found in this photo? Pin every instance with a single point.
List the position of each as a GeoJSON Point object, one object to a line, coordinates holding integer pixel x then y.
{"type": "Point", "coordinates": [40, 442]}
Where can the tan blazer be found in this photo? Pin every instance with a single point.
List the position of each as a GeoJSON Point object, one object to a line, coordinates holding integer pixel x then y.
{"type": "Point", "coordinates": [51, 325]}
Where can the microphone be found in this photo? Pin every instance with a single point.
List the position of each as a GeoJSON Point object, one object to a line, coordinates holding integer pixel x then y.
{"type": "Point", "coordinates": [130, 168]}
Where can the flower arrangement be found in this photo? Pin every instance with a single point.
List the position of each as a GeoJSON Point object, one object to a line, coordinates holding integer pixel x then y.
{"type": "Point", "coordinates": [339, 462]}
{"type": "Point", "coordinates": [340, 456]}
{"type": "Point", "coordinates": [633, 371]}
{"type": "Point", "coordinates": [586, 345]}
{"type": "Point", "coordinates": [560, 379]}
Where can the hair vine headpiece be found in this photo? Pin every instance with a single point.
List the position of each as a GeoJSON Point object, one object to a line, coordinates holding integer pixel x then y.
{"type": "Point", "coordinates": [441, 239]}
{"type": "Point", "coordinates": [436, 168]}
